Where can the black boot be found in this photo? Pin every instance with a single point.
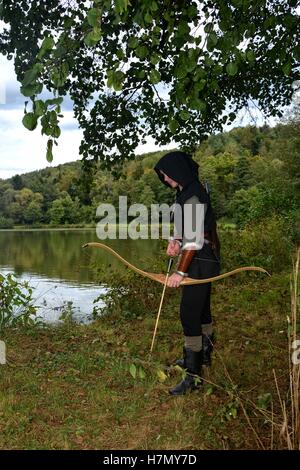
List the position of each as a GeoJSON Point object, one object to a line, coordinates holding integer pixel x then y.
{"type": "Point", "coordinates": [192, 381]}
{"type": "Point", "coordinates": [180, 362]}
{"type": "Point", "coordinates": [207, 348]}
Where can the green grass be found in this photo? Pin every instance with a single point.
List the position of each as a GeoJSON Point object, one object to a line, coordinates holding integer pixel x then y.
{"type": "Point", "coordinates": [70, 387]}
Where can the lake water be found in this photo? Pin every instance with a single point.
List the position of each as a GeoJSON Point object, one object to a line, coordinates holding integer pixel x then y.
{"type": "Point", "coordinates": [61, 271]}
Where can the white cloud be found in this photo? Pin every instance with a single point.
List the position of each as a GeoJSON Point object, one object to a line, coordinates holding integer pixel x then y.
{"type": "Point", "coordinates": [22, 151]}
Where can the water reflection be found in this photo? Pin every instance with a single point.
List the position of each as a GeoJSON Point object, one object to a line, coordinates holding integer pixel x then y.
{"type": "Point", "coordinates": [61, 270]}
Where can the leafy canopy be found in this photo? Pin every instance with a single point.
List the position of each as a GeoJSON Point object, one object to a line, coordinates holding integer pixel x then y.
{"type": "Point", "coordinates": [170, 69]}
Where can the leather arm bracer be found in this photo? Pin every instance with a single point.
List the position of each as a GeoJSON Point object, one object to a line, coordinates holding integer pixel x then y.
{"type": "Point", "coordinates": [185, 261]}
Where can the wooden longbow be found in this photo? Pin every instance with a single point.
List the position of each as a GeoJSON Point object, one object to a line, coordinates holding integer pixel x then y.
{"type": "Point", "coordinates": [187, 281]}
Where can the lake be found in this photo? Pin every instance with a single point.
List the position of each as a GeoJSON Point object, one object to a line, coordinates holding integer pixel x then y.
{"type": "Point", "coordinates": [60, 270]}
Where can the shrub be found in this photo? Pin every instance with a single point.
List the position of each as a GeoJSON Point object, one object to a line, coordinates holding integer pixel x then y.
{"type": "Point", "coordinates": [6, 223]}
{"type": "Point", "coordinates": [16, 303]}
{"type": "Point", "coordinates": [246, 205]}
{"type": "Point", "coordinates": [267, 243]}
{"type": "Point", "coordinates": [130, 295]}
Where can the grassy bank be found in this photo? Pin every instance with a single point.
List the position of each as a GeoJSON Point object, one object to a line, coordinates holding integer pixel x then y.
{"type": "Point", "coordinates": [95, 387]}
{"type": "Point", "coordinates": [82, 226]}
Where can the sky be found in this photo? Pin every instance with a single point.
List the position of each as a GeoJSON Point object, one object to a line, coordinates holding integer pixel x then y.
{"type": "Point", "coordinates": [22, 151]}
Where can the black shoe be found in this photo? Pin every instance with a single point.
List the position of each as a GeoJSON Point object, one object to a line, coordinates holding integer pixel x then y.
{"type": "Point", "coordinates": [192, 381]}
{"type": "Point", "coordinates": [188, 384]}
{"type": "Point", "coordinates": [207, 349]}
{"type": "Point", "coordinates": [180, 363]}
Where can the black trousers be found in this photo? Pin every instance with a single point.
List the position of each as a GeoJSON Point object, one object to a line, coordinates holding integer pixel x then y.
{"type": "Point", "coordinates": [195, 301]}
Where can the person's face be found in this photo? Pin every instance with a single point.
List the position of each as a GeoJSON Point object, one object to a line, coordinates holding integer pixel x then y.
{"type": "Point", "coordinates": [169, 180]}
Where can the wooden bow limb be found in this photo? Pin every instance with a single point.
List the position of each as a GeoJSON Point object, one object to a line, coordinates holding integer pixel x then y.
{"type": "Point", "coordinates": [161, 278]}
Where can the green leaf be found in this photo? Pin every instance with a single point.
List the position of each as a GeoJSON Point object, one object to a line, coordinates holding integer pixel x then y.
{"type": "Point", "coordinates": [208, 28]}
{"type": "Point", "coordinates": [200, 84]}
{"type": "Point", "coordinates": [161, 375]}
{"type": "Point", "coordinates": [297, 52]}
{"type": "Point", "coordinates": [121, 5]}
{"type": "Point", "coordinates": [39, 108]}
{"type": "Point", "coordinates": [93, 37]}
{"type": "Point", "coordinates": [47, 45]}
{"type": "Point", "coordinates": [53, 117]}
{"type": "Point", "coordinates": [287, 68]}
{"type": "Point", "coordinates": [133, 42]}
{"type": "Point", "coordinates": [31, 75]}
{"type": "Point", "coordinates": [250, 56]}
{"type": "Point", "coordinates": [94, 17]}
{"type": "Point", "coordinates": [142, 374]}
{"type": "Point", "coordinates": [141, 74]}
{"type": "Point", "coordinates": [49, 155]}
{"type": "Point", "coordinates": [209, 61]}
{"type": "Point", "coordinates": [181, 71]}
{"type": "Point", "coordinates": [142, 52]}
{"type": "Point", "coordinates": [110, 78]}
{"type": "Point", "coordinates": [120, 54]}
{"type": "Point", "coordinates": [185, 115]}
{"type": "Point", "coordinates": [59, 52]}
{"type": "Point", "coordinates": [54, 101]}
{"type": "Point", "coordinates": [31, 90]}
{"type": "Point", "coordinates": [47, 129]}
{"type": "Point", "coordinates": [173, 125]}
{"type": "Point", "coordinates": [155, 76]}
{"type": "Point", "coordinates": [60, 74]}
{"type": "Point", "coordinates": [148, 18]}
{"type": "Point", "coordinates": [68, 22]}
{"type": "Point", "coordinates": [232, 68]}
{"type": "Point", "coordinates": [199, 105]}
{"type": "Point", "coordinates": [132, 370]}
{"type": "Point", "coordinates": [212, 40]}
{"type": "Point", "coordinates": [116, 79]}
{"type": "Point", "coordinates": [30, 121]}
{"type": "Point", "coordinates": [155, 58]}
{"type": "Point", "coordinates": [183, 28]}
{"type": "Point", "coordinates": [56, 132]}
{"type": "Point", "coordinates": [154, 6]}
{"type": "Point", "coordinates": [264, 401]}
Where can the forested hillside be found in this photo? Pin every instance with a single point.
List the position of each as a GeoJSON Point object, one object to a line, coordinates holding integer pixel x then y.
{"type": "Point", "coordinates": [253, 173]}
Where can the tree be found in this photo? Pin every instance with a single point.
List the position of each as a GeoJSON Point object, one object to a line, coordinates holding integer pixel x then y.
{"type": "Point", "coordinates": [247, 205]}
{"type": "Point", "coordinates": [57, 212]}
{"type": "Point", "coordinates": [17, 182]}
{"type": "Point", "coordinates": [169, 69]}
{"type": "Point", "coordinates": [242, 173]}
{"type": "Point", "coordinates": [64, 210]}
{"type": "Point", "coordinates": [33, 213]}
{"type": "Point", "coordinates": [26, 206]}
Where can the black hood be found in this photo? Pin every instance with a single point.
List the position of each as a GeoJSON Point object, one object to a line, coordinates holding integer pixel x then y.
{"type": "Point", "coordinates": [184, 170]}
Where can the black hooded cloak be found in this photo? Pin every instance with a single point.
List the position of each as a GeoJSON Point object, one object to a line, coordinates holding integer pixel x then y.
{"type": "Point", "coordinates": [195, 301]}
{"type": "Point", "coordinates": [184, 170]}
